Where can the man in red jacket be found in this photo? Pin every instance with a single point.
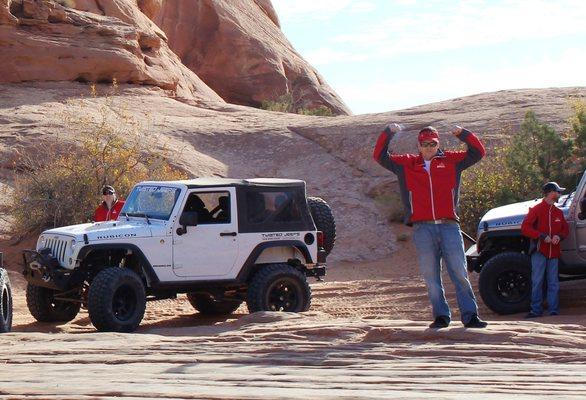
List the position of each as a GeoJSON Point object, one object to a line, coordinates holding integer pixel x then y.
{"type": "Point", "coordinates": [110, 207]}
{"type": "Point", "coordinates": [429, 184]}
{"type": "Point", "coordinates": [546, 224]}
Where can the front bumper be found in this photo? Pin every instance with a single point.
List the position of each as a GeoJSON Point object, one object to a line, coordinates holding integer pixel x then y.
{"type": "Point", "coordinates": [44, 270]}
{"type": "Point", "coordinates": [472, 259]}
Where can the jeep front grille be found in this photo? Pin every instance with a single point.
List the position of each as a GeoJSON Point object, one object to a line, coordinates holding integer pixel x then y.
{"type": "Point", "coordinates": [58, 248]}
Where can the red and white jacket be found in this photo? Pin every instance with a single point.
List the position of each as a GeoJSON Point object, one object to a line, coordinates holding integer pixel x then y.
{"type": "Point", "coordinates": [103, 213]}
{"type": "Point", "coordinates": [545, 220]}
{"type": "Point", "coordinates": [434, 195]}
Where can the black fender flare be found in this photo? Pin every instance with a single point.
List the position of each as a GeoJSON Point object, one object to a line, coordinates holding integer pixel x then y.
{"type": "Point", "coordinates": [249, 265]}
{"type": "Point", "coordinates": [514, 234]}
{"type": "Point", "coordinates": [488, 236]}
{"type": "Point", "coordinates": [147, 267]}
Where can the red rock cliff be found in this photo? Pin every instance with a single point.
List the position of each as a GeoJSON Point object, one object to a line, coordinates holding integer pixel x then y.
{"type": "Point", "coordinates": [41, 40]}
{"type": "Point", "coordinates": [239, 50]}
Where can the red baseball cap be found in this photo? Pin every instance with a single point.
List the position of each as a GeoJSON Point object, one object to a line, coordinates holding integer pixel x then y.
{"type": "Point", "coordinates": [428, 134]}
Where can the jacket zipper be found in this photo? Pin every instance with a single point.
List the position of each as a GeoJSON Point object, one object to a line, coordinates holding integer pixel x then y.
{"type": "Point", "coordinates": [110, 210]}
{"type": "Point", "coordinates": [431, 190]}
{"type": "Point", "coordinates": [549, 221]}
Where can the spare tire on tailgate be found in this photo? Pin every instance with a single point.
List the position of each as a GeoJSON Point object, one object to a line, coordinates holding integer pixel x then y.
{"type": "Point", "coordinates": [324, 221]}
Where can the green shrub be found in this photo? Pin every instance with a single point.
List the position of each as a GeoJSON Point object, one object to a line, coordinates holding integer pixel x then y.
{"type": "Point", "coordinates": [578, 122]}
{"type": "Point", "coordinates": [489, 184]}
{"type": "Point", "coordinates": [282, 103]}
{"type": "Point", "coordinates": [516, 169]}
{"type": "Point", "coordinates": [287, 104]}
{"type": "Point", "coordinates": [321, 111]}
{"type": "Point", "coordinates": [391, 205]}
{"type": "Point", "coordinates": [60, 184]}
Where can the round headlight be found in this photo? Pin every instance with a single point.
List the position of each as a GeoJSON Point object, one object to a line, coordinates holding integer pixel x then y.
{"type": "Point", "coordinates": [41, 243]}
{"type": "Point", "coordinates": [72, 243]}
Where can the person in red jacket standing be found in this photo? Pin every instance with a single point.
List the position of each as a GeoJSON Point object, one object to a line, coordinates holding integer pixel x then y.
{"type": "Point", "coordinates": [110, 207]}
{"type": "Point", "coordinates": [546, 224]}
{"type": "Point", "coordinates": [429, 184]}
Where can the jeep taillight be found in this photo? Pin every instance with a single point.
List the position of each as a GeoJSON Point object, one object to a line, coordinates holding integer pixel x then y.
{"type": "Point", "coordinates": [320, 239]}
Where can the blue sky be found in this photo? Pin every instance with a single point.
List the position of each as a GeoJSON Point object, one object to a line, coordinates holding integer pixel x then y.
{"type": "Point", "coordinates": [387, 55]}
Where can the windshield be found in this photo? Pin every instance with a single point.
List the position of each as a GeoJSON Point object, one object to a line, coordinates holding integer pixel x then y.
{"type": "Point", "coordinates": [154, 202]}
{"type": "Point", "coordinates": [566, 199]}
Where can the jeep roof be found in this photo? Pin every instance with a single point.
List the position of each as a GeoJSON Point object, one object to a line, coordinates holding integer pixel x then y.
{"type": "Point", "coordinates": [212, 181]}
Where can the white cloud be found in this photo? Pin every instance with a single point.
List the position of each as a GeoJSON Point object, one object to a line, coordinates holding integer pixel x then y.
{"type": "Point", "coordinates": [384, 95]}
{"type": "Point", "coordinates": [469, 24]}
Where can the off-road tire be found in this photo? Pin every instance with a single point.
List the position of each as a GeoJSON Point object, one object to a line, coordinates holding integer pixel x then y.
{"type": "Point", "coordinates": [5, 302]}
{"type": "Point", "coordinates": [208, 305]}
{"type": "Point", "coordinates": [44, 308]}
{"type": "Point", "coordinates": [116, 300]}
{"type": "Point", "coordinates": [273, 280]}
{"type": "Point", "coordinates": [324, 221]}
{"type": "Point", "coordinates": [505, 283]}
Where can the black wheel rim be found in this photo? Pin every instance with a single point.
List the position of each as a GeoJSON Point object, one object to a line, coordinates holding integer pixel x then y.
{"type": "Point", "coordinates": [283, 295]}
{"type": "Point", "coordinates": [124, 303]}
{"type": "Point", "coordinates": [512, 286]}
{"type": "Point", "coordinates": [5, 304]}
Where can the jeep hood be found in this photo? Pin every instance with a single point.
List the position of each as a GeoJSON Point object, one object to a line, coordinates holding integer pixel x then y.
{"type": "Point", "coordinates": [512, 215]}
{"type": "Point", "coordinates": [110, 230]}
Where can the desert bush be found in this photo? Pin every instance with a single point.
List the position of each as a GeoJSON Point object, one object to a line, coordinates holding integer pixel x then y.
{"type": "Point", "coordinates": [287, 104]}
{"type": "Point", "coordinates": [321, 111]}
{"type": "Point", "coordinates": [516, 169]}
{"type": "Point", "coordinates": [489, 184]}
{"type": "Point", "coordinates": [60, 183]}
{"type": "Point", "coordinates": [391, 205]}
{"type": "Point", "coordinates": [538, 153]}
{"type": "Point", "coordinates": [578, 132]}
{"type": "Point", "coordinates": [282, 103]}
{"type": "Point", "coordinates": [66, 3]}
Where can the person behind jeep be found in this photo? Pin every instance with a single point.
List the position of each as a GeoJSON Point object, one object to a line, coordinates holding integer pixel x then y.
{"type": "Point", "coordinates": [429, 184]}
{"type": "Point", "coordinates": [546, 224]}
{"type": "Point", "coordinates": [110, 207]}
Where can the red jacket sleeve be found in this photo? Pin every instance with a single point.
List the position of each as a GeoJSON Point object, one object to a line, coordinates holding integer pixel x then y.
{"type": "Point", "coordinates": [528, 225]}
{"type": "Point", "coordinates": [381, 153]}
{"type": "Point", "coordinates": [472, 155]}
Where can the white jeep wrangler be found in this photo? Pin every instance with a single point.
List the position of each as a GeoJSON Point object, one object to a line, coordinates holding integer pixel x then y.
{"type": "Point", "coordinates": [221, 241]}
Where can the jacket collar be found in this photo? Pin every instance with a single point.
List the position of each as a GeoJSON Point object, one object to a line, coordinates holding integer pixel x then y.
{"type": "Point", "coordinates": [106, 205]}
{"type": "Point", "coordinates": [440, 154]}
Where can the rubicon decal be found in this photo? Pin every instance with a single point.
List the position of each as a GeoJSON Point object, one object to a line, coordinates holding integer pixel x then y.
{"type": "Point", "coordinates": [119, 236]}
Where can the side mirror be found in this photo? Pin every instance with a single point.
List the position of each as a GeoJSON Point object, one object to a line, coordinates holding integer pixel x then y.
{"type": "Point", "coordinates": [188, 218]}
{"type": "Point", "coordinates": [582, 213]}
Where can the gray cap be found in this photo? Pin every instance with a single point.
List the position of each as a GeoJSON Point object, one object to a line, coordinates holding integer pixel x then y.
{"type": "Point", "coordinates": [552, 187]}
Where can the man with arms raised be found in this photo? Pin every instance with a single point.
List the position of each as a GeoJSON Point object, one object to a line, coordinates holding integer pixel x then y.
{"type": "Point", "coordinates": [429, 184]}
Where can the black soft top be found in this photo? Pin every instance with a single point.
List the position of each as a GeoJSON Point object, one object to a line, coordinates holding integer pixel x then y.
{"type": "Point", "coordinates": [259, 182]}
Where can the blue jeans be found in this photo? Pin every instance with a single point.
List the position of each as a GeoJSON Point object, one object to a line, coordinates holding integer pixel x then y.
{"type": "Point", "coordinates": [444, 241]}
{"type": "Point", "coordinates": [540, 266]}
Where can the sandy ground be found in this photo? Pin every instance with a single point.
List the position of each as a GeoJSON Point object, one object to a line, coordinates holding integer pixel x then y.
{"type": "Point", "coordinates": [366, 336]}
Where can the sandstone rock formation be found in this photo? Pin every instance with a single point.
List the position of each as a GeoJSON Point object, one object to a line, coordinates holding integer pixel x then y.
{"type": "Point", "coordinates": [239, 50]}
{"type": "Point", "coordinates": [236, 47]}
{"type": "Point", "coordinates": [41, 40]}
{"type": "Point", "coordinates": [333, 155]}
